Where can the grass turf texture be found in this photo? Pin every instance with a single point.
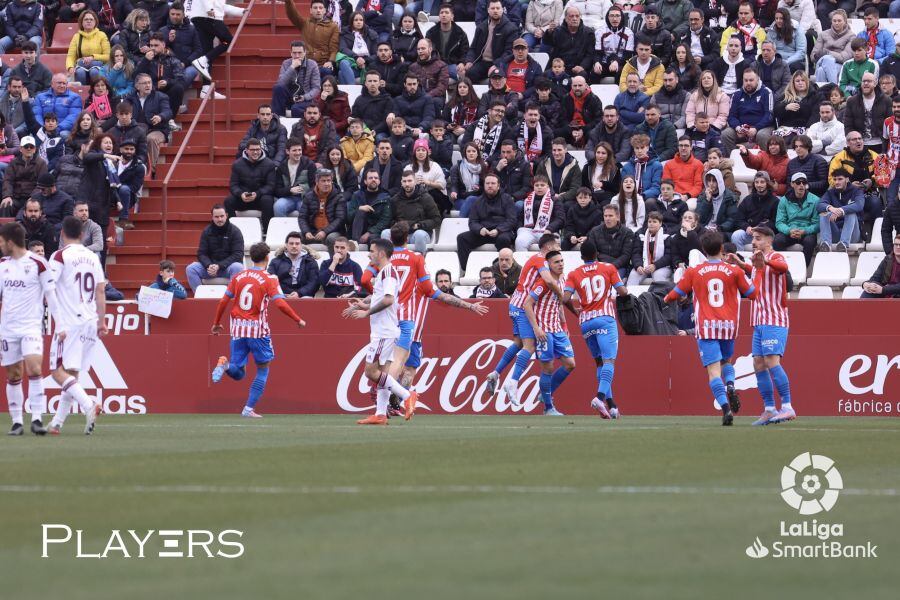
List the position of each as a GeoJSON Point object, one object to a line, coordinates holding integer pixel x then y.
{"type": "Point", "coordinates": [445, 507]}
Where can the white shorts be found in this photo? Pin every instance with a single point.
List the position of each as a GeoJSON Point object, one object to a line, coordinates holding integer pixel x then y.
{"type": "Point", "coordinates": [75, 351]}
{"type": "Point", "coordinates": [14, 349]}
{"type": "Point", "coordinates": [380, 350]}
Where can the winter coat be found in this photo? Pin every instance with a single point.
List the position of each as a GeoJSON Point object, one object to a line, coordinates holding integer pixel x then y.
{"type": "Point", "coordinates": [173, 286]}
{"type": "Point", "coordinates": [804, 13]}
{"type": "Point", "coordinates": [569, 178]}
{"type": "Point", "coordinates": [806, 116]}
{"type": "Point", "coordinates": [686, 175]}
{"type": "Point", "coordinates": [671, 104]}
{"type": "Point", "coordinates": [377, 221]}
{"type": "Point", "coordinates": [709, 43]}
{"type": "Point", "coordinates": [20, 178]}
{"type": "Point", "coordinates": [345, 182]}
{"type": "Point", "coordinates": [816, 170]}
{"type": "Point", "coordinates": [252, 176]}
{"type": "Point", "coordinates": [133, 41]}
{"type": "Point", "coordinates": [95, 188]}
{"type": "Point", "coordinates": [221, 246]}
{"type": "Point", "coordinates": [532, 71]}
{"type": "Point", "coordinates": [611, 187]}
{"type": "Point", "coordinates": [681, 246]}
{"type": "Point", "coordinates": [775, 76]}
{"type": "Point", "coordinates": [511, 8]}
{"type": "Point", "coordinates": [381, 20]}
{"type": "Point", "coordinates": [757, 211]}
{"type": "Point", "coordinates": [373, 109]}
{"type": "Point", "coordinates": [391, 183]}
{"type": "Point", "coordinates": [834, 44]}
{"type": "Point", "coordinates": [39, 230]}
{"type": "Point", "coordinates": [433, 76]}
{"type": "Point", "coordinates": [506, 282]}
{"type": "Point", "coordinates": [674, 14]}
{"type": "Point", "coordinates": [24, 18]}
{"type": "Point", "coordinates": [539, 15]}
{"type": "Point", "coordinates": [663, 139]}
{"type": "Point", "coordinates": [795, 214]}
{"type": "Point", "coordinates": [335, 210]}
{"type": "Point", "coordinates": [617, 138]}
{"type": "Point", "coordinates": [775, 166]}
{"type": "Point", "coordinates": [393, 73]}
{"type": "Point", "coordinates": [715, 108]}
{"type": "Point", "coordinates": [507, 97]}
{"type": "Point", "coordinates": [719, 66]}
{"type": "Point", "coordinates": [884, 43]}
{"type": "Point", "coordinates": [652, 81]}
{"type": "Point", "coordinates": [851, 200]}
{"type": "Point", "coordinates": [417, 109]}
{"type": "Point", "coordinates": [860, 167]}
{"type": "Point", "coordinates": [592, 108]}
{"type": "Point", "coordinates": [360, 151]}
{"type": "Point", "coordinates": [455, 183]}
{"type": "Point", "coordinates": [346, 40]}
{"type": "Point", "coordinates": [651, 176]}
{"type": "Point", "coordinates": [92, 43]}
{"type": "Point", "coordinates": [186, 46]}
{"type": "Point", "coordinates": [273, 140]}
{"type": "Point", "coordinates": [306, 282]}
{"type": "Point", "coordinates": [66, 106]}
{"type": "Point", "coordinates": [336, 108]}
{"type": "Point", "coordinates": [498, 212]}
{"type": "Point", "coordinates": [576, 49]}
{"type": "Point", "coordinates": [119, 81]}
{"type": "Point", "coordinates": [36, 80]}
{"type": "Point", "coordinates": [791, 53]}
{"type": "Point", "coordinates": [457, 44]}
{"type": "Point", "coordinates": [726, 219]}
{"type": "Point", "coordinates": [419, 210]}
{"type": "Point", "coordinates": [882, 276]}
{"type": "Point", "coordinates": [321, 36]}
{"type": "Point", "coordinates": [593, 12]}
{"type": "Point", "coordinates": [303, 81]}
{"type": "Point", "coordinates": [580, 221]}
{"type": "Point", "coordinates": [701, 143]}
{"type": "Point", "coordinates": [661, 41]}
{"type": "Point", "coordinates": [345, 278]}
{"type": "Point", "coordinates": [156, 104]}
{"type": "Point", "coordinates": [441, 151]}
{"type": "Point", "coordinates": [328, 137]}
{"type": "Point", "coordinates": [404, 44]}
{"type": "Point", "coordinates": [629, 106]}
{"type": "Point", "coordinates": [56, 207]}
{"type": "Point", "coordinates": [171, 69]}
{"type": "Point", "coordinates": [69, 171]}
{"type": "Point", "coordinates": [515, 179]}
{"type": "Point", "coordinates": [304, 177]}
{"type": "Point", "coordinates": [672, 213]}
{"type": "Point", "coordinates": [855, 114]}
{"type": "Point", "coordinates": [134, 132]}
{"type": "Point", "coordinates": [557, 216]}
{"type": "Point", "coordinates": [754, 109]}
{"type": "Point", "coordinates": [616, 245]}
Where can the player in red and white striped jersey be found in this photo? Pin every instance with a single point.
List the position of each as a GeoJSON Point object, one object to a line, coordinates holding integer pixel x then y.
{"type": "Point", "coordinates": [769, 317]}
{"type": "Point", "coordinates": [252, 289]}
{"type": "Point", "coordinates": [715, 285]}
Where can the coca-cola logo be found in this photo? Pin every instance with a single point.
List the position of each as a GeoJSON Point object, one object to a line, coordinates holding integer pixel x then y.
{"type": "Point", "coordinates": [462, 387]}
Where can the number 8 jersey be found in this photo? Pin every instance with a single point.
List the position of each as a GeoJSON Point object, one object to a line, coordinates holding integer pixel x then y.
{"type": "Point", "coordinates": [716, 286]}
{"type": "Point", "coordinates": [79, 277]}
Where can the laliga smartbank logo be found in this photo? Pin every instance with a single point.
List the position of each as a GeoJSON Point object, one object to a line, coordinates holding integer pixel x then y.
{"type": "Point", "coordinates": [811, 484]}
{"type": "Point", "coordinates": [59, 540]}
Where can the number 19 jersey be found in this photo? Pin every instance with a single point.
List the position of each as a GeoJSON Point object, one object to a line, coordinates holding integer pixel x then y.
{"type": "Point", "coordinates": [594, 283]}
{"type": "Point", "coordinates": [716, 286]}
{"type": "Point", "coordinates": [79, 278]}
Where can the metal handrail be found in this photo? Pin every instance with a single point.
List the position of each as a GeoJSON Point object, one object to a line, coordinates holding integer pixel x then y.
{"type": "Point", "coordinates": [231, 46]}
{"type": "Point", "coordinates": [184, 144]}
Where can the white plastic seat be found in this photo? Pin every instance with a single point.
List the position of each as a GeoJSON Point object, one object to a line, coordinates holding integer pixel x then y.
{"type": "Point", "coordinates": [463, 291]}
{"type": "Point", "coordinates": [742, 172]}
{"type": "Point", "coordinates": [579, 156]}
{"type": "Point", "coordinates": [288, 122]}
{"type": "Point", "coordinates": [851, 292]}
{"type": "Point", "coordinates": [450, 229]}
{"type": "Point", "coordinates": [571, 261]}
{"type": "Point", "coordinates": [210, 291]}
{"type": "Point", "coordinates": [797, 266]}
{"type": "Point", "coordinates": [360, 258]}
{"type": "Point", "coordinates": [278, 229]}
{"type": "Point", "coordinates": [637, 290]}
{"type": "Point", "coordinates": [469, 28]}
{"type": "Point", "coordinates": [323, 257]}
{"type": "Point", "coordinates": [353, 92]}
{"type": "Point", "coordinates": [877, 243]}
{"type": "Point", "coordinates": [435, 261]}
{"type": "Point", "coordinates": [831, 269]}
{"type": "Point", "coordinates": [522, 257]}
{"type": "Point", "coordinates": [815, 292]}
{"type": "Point", "coordinates": [865, 266]}
{"type": "Point", "coordinates": [250, 228]}
{"type": "Point", "coordinates": [606, 93]}
{"type": "Point", "coordinates": [476, 261]}
{"type": "Point", "coordinates": [743, 190]}
{"type": "Point", "coordinates": [541, 58]}
{"type": "Point", "coordinates": [480, 88]}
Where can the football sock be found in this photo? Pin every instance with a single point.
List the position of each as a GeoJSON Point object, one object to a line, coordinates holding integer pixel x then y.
{"type": "Point", "coordinates": [62, 409]}
{"type": "Point", "coordinates": [522, 358]}
{"type": "Point", "coordinates": [764, 383]}
{"type": "Point", "coordinates": [381, 401]}
{"type": "Point", "coordinates": [546, 395]}
{"type": "Point", "coordinates": [605, 378]}
{"type": "Point", "coordinates": [36, 398]}
{"type": "Point", "coordinates": [611, 403]}
{"type": "Point", "coordinates": [508, 356]}
{"type": "Point", "coordinates": [559, 375]}
{"type": "Point", "coordinates": [258, 386]}
{"type": "Point", "coordinates": [779, 376]}
{"type": "Point", "coordinates": [236, 373]}
{"type": "Point", "coordinates": [77, 393]}
{"type": "Point", "coordinates": [728, 373]}
{"type": "Point", "coordinates": [388, 382]}
{"type": "Point", "coordinates": [15, 398]}
{"type": "Point", "coordinates": [718, 390]}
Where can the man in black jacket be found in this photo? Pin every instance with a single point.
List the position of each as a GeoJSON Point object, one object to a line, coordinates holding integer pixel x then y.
{"type": "Point", "coordinates": [576, 116]}
{"type": "Point", "coordinates": [698, 35]}
{"type": "Point", "coordinates": [497, 29]}
{"type": "Point", "coordinates": [293, 178]}
{"type": "Point", "coordinates": [37, 227]}
{"type": "Point", "coordinates": [323, 212]}
{"type": "Point", "coordinates": [573, 42]}
{"type": "Point", "coordinates": [612, 131]}
{"type": "Point", "coordinates": [252, 184]}
{"type": "Point", "coordinates": [55, 204]}
{"type": "Point", "coordinates": [415, 206]}
{"type": "Point", "coordinates": [883, 282]}
{"type": "Point", "coordinates": [492, 220]}
{"type": "Point", "coordinates": [513, 170]}
{"type": "Point", "coordinates": [221, 251]}
{"type": "Point", "coordinates": [615, 243]}
{"type": "Point", "coordinates": [389, 168]}
{"type": "Point", "coordinates": [166, 71]}
{"type": "Point", "coordinates": [183, 41]}
{"type": "Point", "coordinates": [375, 107]}
{"type": "Point", "coordinates": [812, 165]}
{"type": "Point", "coordinates": [266, 128]}
{"type": "Point", "coordinates": [296, 270]}
{"type": "Point", "coordinates": [856, 113]}
{"type": "Point", "coordinates": [151, 109]}
{"type": "Point", "coordinates": [126, 128]}
{"type": "Point", "coordinates": [454, 51]}
{"type": "Point", "coordinates": [391, 68]}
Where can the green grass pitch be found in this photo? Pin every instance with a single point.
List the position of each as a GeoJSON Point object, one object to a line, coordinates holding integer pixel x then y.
{"type": "Point", "coordinates": [445, 507]}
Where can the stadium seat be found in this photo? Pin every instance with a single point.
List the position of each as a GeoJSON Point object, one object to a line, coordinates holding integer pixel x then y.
{"type": "Point", "coordinates": [288, 122]}
{"type": "Point", "coordinates": [541, 58]}
{"type": "Point", "coordinates": [63, 34]}
{"type": "Point", "coordinates": [463, 291]}
{"type": "Point", "coordinates": [865, 266]}
{"type": "Point", "coordinates": [324, 257]}
{"type": "Point", "coordinates": [830, 269]}
{"type": "Point", "coordinates": [857, 25]}
{"type": "Point", "coordinates": [477, 260]}
{"type": "Point", "coordinates": [55, 62]}
{"type": "Point", "coordinates": [522, 257]}
{"type": "Point", "coordinates": [571, 261]}
{"type": "Point", "coordinates": [278, 229]}
{"type": "Point", "coordinates": [435, 261]}
{"type": "Point", "coordinates": [450, 228]}
{"type": "Point", "coordinates": [469, 28]}
{"type": "Point", "coordinates": [877, 243]}
{"type": "Point", "coordinates": [353, 92]}
{"type": "Point", "coordinates": [480, 89]}
{"type": "Point", "coordinates": [361, 258]}
{"type": "Point", "coordinates": [742, 172]}
{"type": "Point", "coordinates": [11, 60]}
{"type": "Point", "coordinates": [606, 93]}
{"type": "Point", "coordinates": [210, 291]}
{"type": "Point", "coordinates": [424, 27]}
{"type": "Point", "coordinates": [815, 292]}
{"type": "Point", "coordinates": [579, 156]}
{"type": "Point", "coordinates": [637, 290]}
{"type": "Point", "coordinates": [743, 190]}
{"type": "Point", "coordinates": [851, 292]}
{"type": "Point", "coordinates": [797, 266]}
{"type": "Point", "coordinates": [250, 229]}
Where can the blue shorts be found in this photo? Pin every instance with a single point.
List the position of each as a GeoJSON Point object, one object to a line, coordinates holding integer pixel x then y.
{"type": "Point", "coordinates": [769, 340]}
{"type": "Point", "coordinates": [415, 356]}
{"type": "Point", "coordinates": [602, 337]}
{"type": "Point", "coordinates": [713, 351]}
{"type": "Point", "coordinates": [521, 327]}
{"type": "Point", "coordinates": [261, 348]}
{"type": "Point", "coordinates": [407, 328]}
{"type": "Point", "coordinates": [556, 346]}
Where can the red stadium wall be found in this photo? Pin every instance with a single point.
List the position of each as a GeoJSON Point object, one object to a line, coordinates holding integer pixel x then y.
{"type": "Point", "coordinates": [843, 359]}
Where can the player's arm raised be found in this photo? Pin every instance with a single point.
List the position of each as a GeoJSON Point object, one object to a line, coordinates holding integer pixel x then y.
{"type": "Point", "coordinates": [532, 318]}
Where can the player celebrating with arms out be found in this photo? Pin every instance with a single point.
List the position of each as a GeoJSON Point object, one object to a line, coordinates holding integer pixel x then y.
{"type": "Point", "coordinates": [544, 314]}
{"type": "Point", "coordinates": [593, 283]}
{"type": "Point", "coordinates": [25, 280]}
{"type": "Point", "coordinates": [78, 321]}
{"type": "Point", "coordinates": [381, 308]}
{"type": "Point", "coordinates": [253, 288]}
{"type": "Point", "coordinates": [769, 317]}
{"type": "Point", "coordinates": [715, 285]}
{"type": "Point", "coordinates": [523, 337]}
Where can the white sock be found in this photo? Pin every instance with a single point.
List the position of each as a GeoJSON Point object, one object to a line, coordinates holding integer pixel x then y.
{"type": "Point", "coordinates": [785, 406]}
{"type": "Point", "coordinates": [77, 392]}
{"type": "Point", "coordinates": [36, 398]}
{"type": "Point", "coordinates": [381, 402]}
{"type": "Point", "coordinates": [15, 399]}
{"type": "Point", "coordinates": [394, 386]}
{"type": "Point", "coordinates": [62, 409]}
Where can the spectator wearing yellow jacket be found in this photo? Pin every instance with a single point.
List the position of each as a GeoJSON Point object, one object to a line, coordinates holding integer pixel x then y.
{"type": "Point", "coordinates": [88, 50]}
{"type": "Point", "coordinates": [358, 145]}
{"type": "Point", "coordinates": [644, 61]}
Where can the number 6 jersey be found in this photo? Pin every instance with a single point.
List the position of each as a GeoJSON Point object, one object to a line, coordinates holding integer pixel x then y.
{"type": "Point", "coordinates": [79, 277]}
{"type": "Point", "coordinates": [716, 286]}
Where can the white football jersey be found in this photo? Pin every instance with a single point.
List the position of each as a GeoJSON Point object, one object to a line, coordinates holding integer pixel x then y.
{"type": "Point", "coordinates": [384, 324]}
{"type": "Point", "coordinates": [79, 278]}
{"type": "Point", "coordinates": [23, 283]}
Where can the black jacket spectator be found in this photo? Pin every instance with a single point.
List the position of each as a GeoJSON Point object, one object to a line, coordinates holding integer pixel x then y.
{"type": "Point", "coordinates": [882, 276]}
{"type": "Point", "coordinates": [345, 42]}
{"type": "Point", "coordinates": [135, 132]}
{"type": "Point", "coordinates": [36, 79]}
{"type": "Point", "coordinates": [373, 109]}
{"type": "Point", "coordinates": [96, 190]}
{"type": "Point", "coordinates": [726, 219]}
{"type": "Point", "coordinates": [616, 246]}
{"type": "Point", "coordinates": [345, 278]}
{"type": "Point", "coordinates": [335, 210]}
{"type": "Point", "coordinates": [720, 68]}
{"type": "Point", "coordinates": [610, 190]}
{"type": "Point", "coordinates": [346, 179]}
{"type": "Point", "coordinates": [515, 179]}
{"type": "Point", "coordinates": [156, 104]}
{"type": "Point", "coordinates": [273, 139]}
{"type": "Point", "coordinates": [576, 49]}
{"type": "Point", "coordinates": [709, 43]}
{"type": "Point", "coordinates": [391, 183]}
{"type": "Point", "coordinates": [682, 245]}
{"type": "Point", "coordinates": [672, 213]}
{"type": "Point", "coordinates": [580, 221]}
{"type": "Point", "coordinates": [508, 281]}
{"type": "Point", "coordinates": [39, 230]}
{"type": "Point", "coordinates": [252, 176]}
{"type": "Point", "coordinates": [20, 179]}
{"type": "Point", "coordinates": [56, 206]}
{"type": "Point", "coordinates": [69, 171]}
{"type": "Point", "coordinates": [806, 116]}
{"type": "Point", "coordinates": [505, 32]}
{"type": "Point", "coordinates": [304, 281]}
{"type": "Point", "coordinates": [661, 42]}
{"type": "Point", "coordinates": [419, 210]}
{"type": "Point", "coordinates": [305, 177]}
{"type": "Point", "coordinates": [186, 45]}
{"type": "Point", "coordinates": [222, 246]}
{"type": "Point", "coordinates": [392, 72]}
{"type": "Point", "coordinates": [404, 44]}
{"type": "Point", "coordinates": [457, 46]}
{"type": "Point", "coordinates": [890, 224]}
{"type": "Point", "coordinates": [592, 110]}
{"type": "Point", "coordinates": [815, 167]}
{"type": "Point", "coordinates": [499, 214]}
{"type": "Point", "coordinates": [757, 211]}
{"type": "Point", "coordinates": [618, 138]}
{"type": "Point", "coordinates": [855, 114]}
{"type": "Point", "coordinates": [417, 109]}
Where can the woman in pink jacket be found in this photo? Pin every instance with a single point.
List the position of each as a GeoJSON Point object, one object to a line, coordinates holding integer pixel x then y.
{"type": "Point", "coordinates": [710, 99]}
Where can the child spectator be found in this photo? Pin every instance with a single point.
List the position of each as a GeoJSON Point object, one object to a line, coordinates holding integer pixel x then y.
{"type": "Point", "coordinates": [119, 72]}
{"type": "Point", "coordinates": [401, 141]}
{"type": "Point", "coordinates": [581, 216]}
{"type": "Point", "coordinates": [441, 146]}
{"type": "Point", "coordinates": [166, 280]}
{"type": "Point", "coordinates": [358, 145]}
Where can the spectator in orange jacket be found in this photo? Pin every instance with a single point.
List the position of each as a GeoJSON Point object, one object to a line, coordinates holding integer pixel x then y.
{"type": "Point", "coordinates": [685, 170]}
{"type": "Point", "coordinates": [773, 161]}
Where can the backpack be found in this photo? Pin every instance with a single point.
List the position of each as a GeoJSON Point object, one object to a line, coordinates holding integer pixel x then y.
{"type": "Point", "coordinates": [630, 315]}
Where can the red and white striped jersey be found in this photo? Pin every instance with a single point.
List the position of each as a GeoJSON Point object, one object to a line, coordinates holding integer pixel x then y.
{"type": "Point", "coordinates": [547, 307]}
{"type": "Point", "coordinates": [716, 286]}
{"type": "Point", "coordinates": [531, 272]}
{"type": "Point", "coordinates": [415, 284]}
{"type": "Point", "coordinates": [892, 134]}
{"type": "Point", "coordinates": [770, 305]}
{"type": "Point", "coordinates": [594, 283]}
{"type": "Point", "coordinates": [252, 289]}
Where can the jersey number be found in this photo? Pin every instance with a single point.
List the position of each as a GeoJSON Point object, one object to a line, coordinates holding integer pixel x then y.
{"type": "Point", "coordinates": [716, 292]}
{"type": "Point", "coordinates": [594, 288]}
{"type": "Point", "coordinates": [245, 300]}
{"type": "Point", "coordinates": [86, 284]}
{"type": "Point", "coordinates": [404, 273]}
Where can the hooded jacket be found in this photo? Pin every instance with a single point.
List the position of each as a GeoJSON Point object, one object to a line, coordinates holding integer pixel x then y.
{"type": "Point", "coordinates": [134, 132]}
{"type": "Point", "coordinates": [796, 213]}
{"type": "Point", "coordinates": [377, 221]}
{"type": "Point", "coordinates": [322, 37]}
{"type": "Point", "coordinates": [419, 210]}
{"type": "Point", "coordinates": [629, 106]}
{"type": "Point", "coordinates": [171, 68]}
{"type": "Point", "coordinates": [304, 281]}
{"type": "Point", "coordinates": [754, 109]}
{"type": "Point", "coordinates": [775, 166]}
{"type": "Point", "coordinates": [186, 46]}
{"type": "Point", "coordinates": [672, 104]}
{"type": "Point", "coordinates": [273, 139]}
{"type": "Point", "coordinates": [652, 81]}
{"type": "Point", "coordinates": [360, 151]}
{"type": "Point", "coordinates": [335, 210]}
{"type": "Point", "coordinates": [222, 246]}
{"type": "Point", "coordinates": [860, 166]}
{"type": "Point", "coordinates": [661, 40]}
{"type": "Point", "coordinates": [457, 44]}
{"type": "Point", "coordinates": [417, 109]}
{"type": "Point", "coordinates": [757, 211]}
{"type": "Point", "coordinates": [616, 245]}
{"type": "Point", "coordinates": [575, 49]}
{"type": "Point", "coordinates": [252, 176]}
{"type": "Point", "coordinates": [373, 109]}
{"type": "Point", "coordinates": [726, 218]}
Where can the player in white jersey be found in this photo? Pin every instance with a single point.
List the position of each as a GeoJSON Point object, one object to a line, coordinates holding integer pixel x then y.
{"type": "Point", "coordinates": [381, 308]}
{"type": "Point", "coordinates": [78, 321]}
{"type": "Point", "coordinates": [25, 280]}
